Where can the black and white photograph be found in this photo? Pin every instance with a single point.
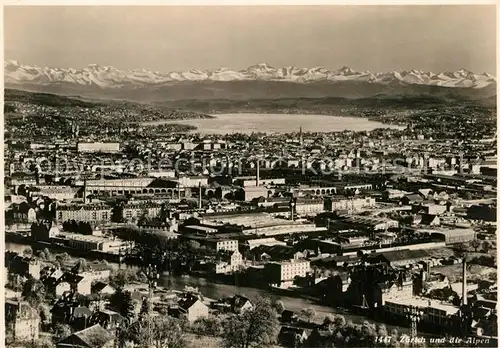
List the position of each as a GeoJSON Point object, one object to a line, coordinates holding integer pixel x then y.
{"type": "Point", "coordinates": [227, 175]}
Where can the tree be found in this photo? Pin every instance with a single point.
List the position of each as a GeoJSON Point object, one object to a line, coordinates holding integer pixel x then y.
{"type": "Point", "coordinates": [209, 326]}
{"type": "Point", "coordinates": [382, 331]}
{"type": "Point", "coordinates": [368, 332]}
{"type": "Point", "coordinates": [339, 321]}
{"type": "Point", "coordinates": [257, 327]}
{"type": "Point", "coordinates": [308, 314]}
{"type": "Point", "coordinates": [279, 306]}
{"type": "Point", "coordinates": [84, 228]}
{"type": "Point", "coordinates": [164, 332]}
{"type": "Point", "coordinates": [117, 212]}
{"type": "Point", "coordinates": [193, 245]}
{"type": "Point", "coordinates": [146, 309]}
{"type": "Point", "coordinates": [467, 196]}
{"type": "Point", "coordinates": [122, 277]}
{"type": "Point", "coordinates": [45, 313]}
{"type": "Point", "coordinates": [475, 244]}
{"type": "Point", "coordinates": [61, 331]}
{"type": "Point", "coordinates": [123, 303]}
{"type": "Point", "coordinates": [486, 246]}
{"type": "Point", "coordinates": [63, 258]}
{"type": "Point", "coordinates": [33, 291]}
{"type": "Point", "coordinates": [15, 282]}
{"type": "Point", "coordinates": [39, 343]}
{"type": "Point", "coordinates": [328, 321]}
{"type": "Point", "coordinates": [28, 252]}
{"type": "Point", "coordinates": [48, 255]}
{"type": "Point", "coordinates": [81, 266]}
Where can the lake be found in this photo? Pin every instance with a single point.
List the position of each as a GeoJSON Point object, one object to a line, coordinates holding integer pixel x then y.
{"type": "Point", "coordinates": [276, 123]}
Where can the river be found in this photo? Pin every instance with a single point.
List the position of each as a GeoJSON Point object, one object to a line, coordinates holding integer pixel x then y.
{"type": "Point", "coordinates": [276, 123]}
{"type": "Point", "coordinates": [217, 290]}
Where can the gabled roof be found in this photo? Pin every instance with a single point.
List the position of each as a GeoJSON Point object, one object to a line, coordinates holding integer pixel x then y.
{"type": "Point", "coordinates": [427, 219]}
{"type": "Point", "coordinates": [289, 313]}
{"type": "Point", "coordinates": [238, 301]}
{"type": "Point", "coordinates": [70, 278]}
{"type": "Point", "coordinates": [399, 255]}
{"type": "Point", "coordinates": [24, 310]}
{"type": "Point", "coordinates": [188, 302]}
{"type": "Point", "coordinates": [94, 336]}
{"type": "Point", "coordinates": [82, 312]}
{"type": "Point", "coordinates": [487, 303]}
{"type": "Point", "coordinates": [104, 316]}
{"type": "Point", "coordinates": [294, 329]}
{"type": "Point", "coordinates": [480, 312]}
{"type": "Point", "coordinates": [425, 192]}
{"type": "Point", "coordinates": [99, 286]}
{"type": "Point", "coordinates": [100, 267]}
{"type": "Point", "coordinates": [414, 197]}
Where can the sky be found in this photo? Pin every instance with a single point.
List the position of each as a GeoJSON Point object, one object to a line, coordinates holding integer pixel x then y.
{"type": "Point", "coordinates": [167, 38]}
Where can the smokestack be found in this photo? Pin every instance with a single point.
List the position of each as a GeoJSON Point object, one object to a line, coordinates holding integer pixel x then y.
{"type": "Point", "coordinates": [258, 173]}
{"type": "Point", "coordinates": [464, 282]}
{"type": "Point", "coordinates": [301, 137]}
{"type": "Point", "coordinates": [199, 196]}
{"type": "Point", "coordinates": [84, 191]}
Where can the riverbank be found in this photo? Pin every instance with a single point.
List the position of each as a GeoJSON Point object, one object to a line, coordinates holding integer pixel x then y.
{"type": "Point", "coordinates": [19, 239]}
{"type": "Point", "coordinates": [221, 287]}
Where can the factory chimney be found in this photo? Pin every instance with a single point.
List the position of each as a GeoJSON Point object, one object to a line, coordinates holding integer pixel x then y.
{"type": "Point", "coordinates": [258, 174]}
{"type": "Point", "coordinates": [84, 191]}
{"type": "Point", "coordinates": [464, 282]}
{"type": "Point", "coordinates": [199, 196]}
{"type": "Point", "coordinates": [301, 138]}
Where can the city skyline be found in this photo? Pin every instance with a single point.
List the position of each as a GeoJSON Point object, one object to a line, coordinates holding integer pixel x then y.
{"type": "Point", "coordinates": [375, 38]}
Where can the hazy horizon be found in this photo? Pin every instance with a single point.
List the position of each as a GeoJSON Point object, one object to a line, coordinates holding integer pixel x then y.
{"type": "Point", "coordinates": [168, 38]}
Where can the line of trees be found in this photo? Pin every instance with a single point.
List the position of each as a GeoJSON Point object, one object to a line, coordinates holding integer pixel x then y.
{"type": "Point", "coordinates": [80, 227]}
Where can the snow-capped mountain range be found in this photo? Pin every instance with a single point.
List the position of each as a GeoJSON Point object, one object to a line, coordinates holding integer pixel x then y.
{"type": "Point", "coordinates": [110, 77]}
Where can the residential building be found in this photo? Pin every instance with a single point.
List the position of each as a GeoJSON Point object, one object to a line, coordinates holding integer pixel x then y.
{"type": "Point", "coordinates": [98, 271]}
{"type": "Point", "coordinates": [309, 206]}
{"type": "Point", "coordinates": [22, 321]}
{"type": "Point", "coordinates": [92, 213]}
{"type": "Point", "coordinates": [348, 204]}
{"type": "Point", "coordinates": [236, 304]}
{"type": "Point", "coordinates": [239, 304]}
{"type": "Point", "coordinates": [102, 288]}
{"type": "Point", "coordinates": [91, 337]}
{"type": "Point", "coordinates": [68, 282]}
{"type": "Point", "coordinates": [214, 243]}
{"type": "Point", "coordinates": [191, 307]}
{"type": "Point", "coordinates": [135, 210]}
{"type": "Point", "coordinates": [24, 266]}
{"type": "Point", "coordinates": [282, 274]}
{"type": "Point", "coordinates": [230, 262]}
{"type": "Point", "coordinates": [290, 336]}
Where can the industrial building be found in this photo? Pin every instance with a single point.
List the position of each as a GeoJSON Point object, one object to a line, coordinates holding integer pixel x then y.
{"type": "Point", "coordinates": [96, 147]}
{"type": "Point", "coordinates": [452, 235]}
{"type": "Point", "coordinates": [282, 274]}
